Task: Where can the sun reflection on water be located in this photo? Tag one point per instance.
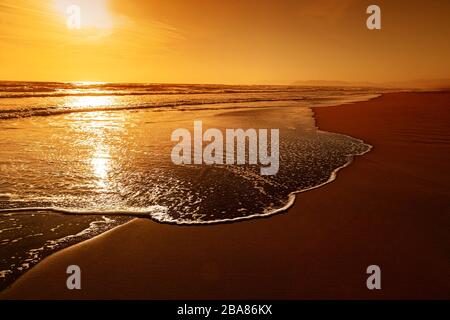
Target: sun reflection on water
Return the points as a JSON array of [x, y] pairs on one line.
[[100, 163], [90, 101], [98, 137]]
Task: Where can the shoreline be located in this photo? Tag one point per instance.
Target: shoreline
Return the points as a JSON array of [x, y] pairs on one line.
[[27, 286], [11, 274], [138, 214]]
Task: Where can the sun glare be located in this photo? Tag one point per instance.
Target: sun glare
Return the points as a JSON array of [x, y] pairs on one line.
[[90, 101], [87, 83], [93, 13]]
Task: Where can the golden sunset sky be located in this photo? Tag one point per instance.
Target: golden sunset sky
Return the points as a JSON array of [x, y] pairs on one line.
[[233, 41]]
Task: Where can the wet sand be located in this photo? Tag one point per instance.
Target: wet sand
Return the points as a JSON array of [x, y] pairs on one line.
[[390, 207]]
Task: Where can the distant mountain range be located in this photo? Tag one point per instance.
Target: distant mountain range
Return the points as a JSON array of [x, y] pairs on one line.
[[415, 84]]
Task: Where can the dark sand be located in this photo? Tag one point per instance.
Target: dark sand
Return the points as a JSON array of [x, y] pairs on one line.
[[391, 207]]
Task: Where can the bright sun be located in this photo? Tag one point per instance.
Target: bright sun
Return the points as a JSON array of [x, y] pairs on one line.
[[93, 13]]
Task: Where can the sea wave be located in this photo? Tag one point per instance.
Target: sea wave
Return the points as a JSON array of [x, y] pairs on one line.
[[51, 111], [160, 213]]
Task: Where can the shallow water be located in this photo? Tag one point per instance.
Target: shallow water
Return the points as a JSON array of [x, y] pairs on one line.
[[101, 168]]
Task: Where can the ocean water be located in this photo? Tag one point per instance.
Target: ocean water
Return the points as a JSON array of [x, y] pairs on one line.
[[78, 159]]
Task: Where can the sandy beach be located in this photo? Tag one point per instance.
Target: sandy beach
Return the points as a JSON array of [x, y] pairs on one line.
[[390, 207]]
